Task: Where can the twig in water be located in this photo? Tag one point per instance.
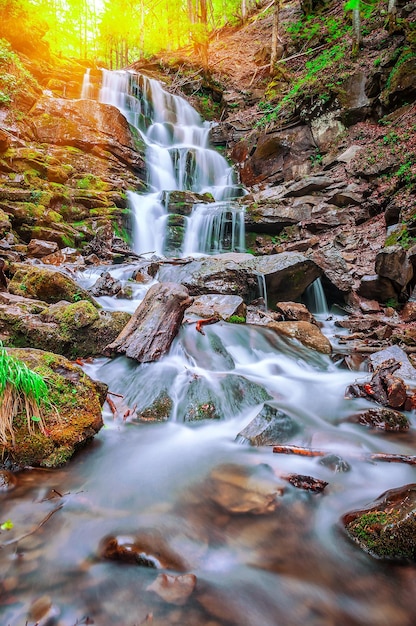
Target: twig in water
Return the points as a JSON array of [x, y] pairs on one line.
[[33, 530]]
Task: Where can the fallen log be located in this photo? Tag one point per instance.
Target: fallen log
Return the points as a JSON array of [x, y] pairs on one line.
[[375, 456], [154, 325]]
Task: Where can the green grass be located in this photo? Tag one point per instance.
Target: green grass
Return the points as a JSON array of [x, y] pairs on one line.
[[21, 391]]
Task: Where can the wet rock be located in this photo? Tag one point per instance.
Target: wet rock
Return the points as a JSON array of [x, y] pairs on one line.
[[38, 248], [147, 548], [47, 285], [239, 489], [270, 427], [392, 263], [158, 411], [72, 416], [65, 255], [271, 216], [228, 308], [174, 589], [154, 325], [106, 285], [307, 483], [295, 311], [383, 419], [406, 369], [182, 202], [308, 334], [211, 399], [387, 530], [335, 463], [8, 481]]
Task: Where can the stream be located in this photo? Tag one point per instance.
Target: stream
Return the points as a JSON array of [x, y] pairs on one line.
[[191, 495]]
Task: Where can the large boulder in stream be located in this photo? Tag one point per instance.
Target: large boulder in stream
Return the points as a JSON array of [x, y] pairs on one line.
[[71, 415], [285, 275], [154, 325]]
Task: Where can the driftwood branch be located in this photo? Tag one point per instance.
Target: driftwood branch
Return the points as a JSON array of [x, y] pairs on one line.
[[34, 529]]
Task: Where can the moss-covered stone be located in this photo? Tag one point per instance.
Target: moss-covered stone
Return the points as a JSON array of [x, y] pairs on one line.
[[47, 285], [72, 413], [388, 529]]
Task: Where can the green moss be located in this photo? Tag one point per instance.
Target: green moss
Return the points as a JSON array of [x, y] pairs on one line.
[[385, 534], [237, 319]]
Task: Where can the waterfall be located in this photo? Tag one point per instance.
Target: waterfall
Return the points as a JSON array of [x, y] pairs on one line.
[[262, 289], [315, 298], [86, 90], [178, 157]]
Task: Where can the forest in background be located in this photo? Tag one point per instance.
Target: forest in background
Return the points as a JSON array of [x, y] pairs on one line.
[[116, 32]]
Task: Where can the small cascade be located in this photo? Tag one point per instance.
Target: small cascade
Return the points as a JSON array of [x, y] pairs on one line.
[[178, 157], [215, 228], [87, 87], [315, 298], [262, 289]]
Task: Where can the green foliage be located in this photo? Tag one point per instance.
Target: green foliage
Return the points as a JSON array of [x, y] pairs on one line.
[[21, 391], [14, 78]]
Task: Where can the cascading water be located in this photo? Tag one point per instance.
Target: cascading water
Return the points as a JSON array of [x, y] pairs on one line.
[[178, 157], [212, 532]]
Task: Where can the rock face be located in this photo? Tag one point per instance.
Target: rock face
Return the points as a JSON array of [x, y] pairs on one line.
[[71, 419], [154, 325], [228, 308], [270, 427], [387, 530], [85, 124], [286, 275]]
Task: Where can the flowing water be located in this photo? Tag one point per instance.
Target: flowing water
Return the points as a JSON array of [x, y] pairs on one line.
[[196, 497]]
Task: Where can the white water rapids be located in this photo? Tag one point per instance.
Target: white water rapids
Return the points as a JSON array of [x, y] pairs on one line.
[[181, 482]]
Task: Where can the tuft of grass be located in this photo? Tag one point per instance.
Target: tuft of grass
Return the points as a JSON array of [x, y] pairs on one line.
[[22, 391]]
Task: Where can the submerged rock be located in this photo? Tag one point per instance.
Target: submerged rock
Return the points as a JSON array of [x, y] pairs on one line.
[[270, 427], [387, 530], [71, 417], [173, 589], [239, 489]]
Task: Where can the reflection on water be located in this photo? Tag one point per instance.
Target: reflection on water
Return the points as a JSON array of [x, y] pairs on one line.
[[264, 553]]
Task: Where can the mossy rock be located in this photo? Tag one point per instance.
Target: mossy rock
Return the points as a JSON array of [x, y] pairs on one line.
[[388, 529], [46, 285], [72, 416]]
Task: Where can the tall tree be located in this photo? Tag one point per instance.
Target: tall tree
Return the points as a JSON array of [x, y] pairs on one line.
[[275, 35], [354, 6]]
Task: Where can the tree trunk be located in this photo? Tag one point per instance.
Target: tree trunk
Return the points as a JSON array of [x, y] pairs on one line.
[[392, 12], [154, 325], [275, 36], [356, 30]]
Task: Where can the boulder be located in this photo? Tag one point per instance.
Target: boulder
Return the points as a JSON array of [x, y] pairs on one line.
[[154, 325], [392, 262], [406, 369], [72, 415], [378, 288], [106, 285], [48, 285], [308, 334], [217, 305], [334, 267], [295, 312], [285, 275], [272, 216], [383, 418], [387, 530], [275, 156], [182, 202], [270, 427], [38, 248], [74, 330]]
